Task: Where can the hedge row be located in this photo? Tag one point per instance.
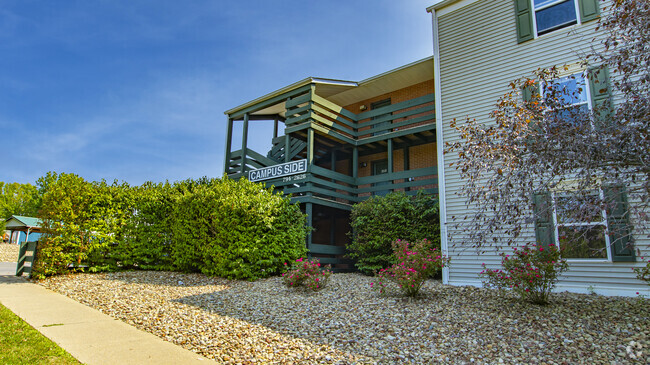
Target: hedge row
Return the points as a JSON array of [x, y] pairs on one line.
[[233, 229]]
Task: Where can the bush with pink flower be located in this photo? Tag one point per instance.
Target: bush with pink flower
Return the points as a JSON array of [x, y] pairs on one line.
[[643, 273], [307, 274], [530, 271], [416, 262]]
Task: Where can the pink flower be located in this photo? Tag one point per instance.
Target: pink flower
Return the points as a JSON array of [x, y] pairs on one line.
[[299, 260]]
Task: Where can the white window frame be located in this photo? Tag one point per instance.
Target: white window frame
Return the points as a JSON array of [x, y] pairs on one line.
[[603, 222], [583, 75], [534, 11]]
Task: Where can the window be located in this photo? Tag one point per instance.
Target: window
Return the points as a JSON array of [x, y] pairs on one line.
[[580, 225], [591, 226], [553, 14], [572, 96], [537, 17]]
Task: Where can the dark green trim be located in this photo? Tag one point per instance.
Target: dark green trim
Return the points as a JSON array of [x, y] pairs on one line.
[[326, 249], [228, 155], [270, 102], [621, 246], [524, 20], [310, 222], [244, 144], [589, 10], [601, 97], [543, 210]]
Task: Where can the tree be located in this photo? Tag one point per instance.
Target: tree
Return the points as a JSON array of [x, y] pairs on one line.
[[17, 199], [543, 141]]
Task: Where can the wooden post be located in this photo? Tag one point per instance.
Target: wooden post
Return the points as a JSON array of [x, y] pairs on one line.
[[407, 162], [310, 146], [309, 209], [333, 163], [226, 167], [310, 159], [275, 127], [355, 162], [287, 147], [390, 160], [390, 155], [244, 144]]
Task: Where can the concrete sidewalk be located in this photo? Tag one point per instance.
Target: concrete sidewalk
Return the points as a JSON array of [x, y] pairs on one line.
[[88, 335]]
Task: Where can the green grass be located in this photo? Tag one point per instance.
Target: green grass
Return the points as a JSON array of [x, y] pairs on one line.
[[20, 343]]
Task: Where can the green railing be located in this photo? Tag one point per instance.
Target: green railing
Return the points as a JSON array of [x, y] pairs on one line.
[[312, 111]]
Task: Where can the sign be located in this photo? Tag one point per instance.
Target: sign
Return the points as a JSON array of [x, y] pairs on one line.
[[283, 169]]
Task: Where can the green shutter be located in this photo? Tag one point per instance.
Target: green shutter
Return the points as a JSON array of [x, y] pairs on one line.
[[589, 10], [527, 92], [544, 227], [524, 20], [600, 96], [618, 224]]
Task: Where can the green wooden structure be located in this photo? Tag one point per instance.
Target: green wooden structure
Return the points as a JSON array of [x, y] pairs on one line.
[[27, 250], [334, 140], [26, 255]]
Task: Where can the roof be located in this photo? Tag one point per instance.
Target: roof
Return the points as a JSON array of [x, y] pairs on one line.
[[439, 4], [343, 92], [21, 221]]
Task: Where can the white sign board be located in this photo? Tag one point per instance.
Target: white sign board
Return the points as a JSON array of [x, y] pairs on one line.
[[275, 171]]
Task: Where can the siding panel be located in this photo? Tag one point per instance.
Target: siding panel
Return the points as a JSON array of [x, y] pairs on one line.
[[479, 56]]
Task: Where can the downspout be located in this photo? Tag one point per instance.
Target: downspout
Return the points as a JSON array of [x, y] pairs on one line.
[[444, 243]]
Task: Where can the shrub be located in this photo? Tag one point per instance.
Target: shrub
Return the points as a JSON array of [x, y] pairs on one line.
[[416, 263], [530, 271], [643, 273], [233, 229], [236, 230], [379, 221], [78, 219], [146, 239], [307, 274]]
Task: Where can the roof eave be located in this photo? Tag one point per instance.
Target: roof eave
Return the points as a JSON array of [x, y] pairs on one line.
[[440, 4], [295, 85]]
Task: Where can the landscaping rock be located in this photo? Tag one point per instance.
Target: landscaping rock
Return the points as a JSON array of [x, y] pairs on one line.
[[236, 322], [8, 252]]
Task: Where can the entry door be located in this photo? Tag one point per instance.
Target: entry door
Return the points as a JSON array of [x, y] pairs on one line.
[[378, 168]]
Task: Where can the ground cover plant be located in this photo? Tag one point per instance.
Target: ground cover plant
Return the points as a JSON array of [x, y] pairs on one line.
[[531, 272], [380, 220], [307, 274], [22, 344], [416, 262]]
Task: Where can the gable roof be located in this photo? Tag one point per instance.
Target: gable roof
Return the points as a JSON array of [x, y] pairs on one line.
[[18, 221]]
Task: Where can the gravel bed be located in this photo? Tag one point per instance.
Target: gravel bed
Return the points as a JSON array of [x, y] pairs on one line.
[[8, 252], [235, 322]]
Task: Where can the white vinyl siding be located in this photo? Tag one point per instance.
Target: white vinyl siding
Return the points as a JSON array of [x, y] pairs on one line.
[[479, 57]]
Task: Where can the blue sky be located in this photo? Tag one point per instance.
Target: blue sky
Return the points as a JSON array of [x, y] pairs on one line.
[[136, 90]]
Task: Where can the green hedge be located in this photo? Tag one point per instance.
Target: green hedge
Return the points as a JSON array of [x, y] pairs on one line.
[[380, 220], [233, 229]]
